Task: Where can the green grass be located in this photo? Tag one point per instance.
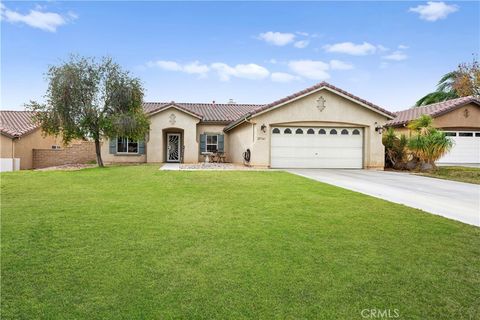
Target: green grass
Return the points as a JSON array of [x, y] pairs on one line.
[[462, 174], [138, 243]]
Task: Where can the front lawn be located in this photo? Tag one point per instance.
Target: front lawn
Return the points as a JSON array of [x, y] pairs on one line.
[[462, 174], [138, 243]]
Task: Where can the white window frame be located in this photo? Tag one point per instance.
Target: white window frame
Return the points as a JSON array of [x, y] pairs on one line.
[[211, 144], [128, 140]]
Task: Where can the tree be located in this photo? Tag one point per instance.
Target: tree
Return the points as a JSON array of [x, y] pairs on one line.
[[427, 144], [87, 99], [395, 148], [463, 82]]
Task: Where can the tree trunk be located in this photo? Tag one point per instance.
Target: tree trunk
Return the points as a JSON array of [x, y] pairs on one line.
[[99, 153]]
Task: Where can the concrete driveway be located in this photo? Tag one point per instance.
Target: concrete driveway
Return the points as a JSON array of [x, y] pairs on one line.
[[454, 200]]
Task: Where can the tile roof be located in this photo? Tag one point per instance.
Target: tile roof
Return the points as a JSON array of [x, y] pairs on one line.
[[17, 123], [208, 112], [433, 110], [306, 91]]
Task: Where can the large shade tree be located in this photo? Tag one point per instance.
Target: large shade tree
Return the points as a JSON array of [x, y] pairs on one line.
[[463, 82], [91, 99]]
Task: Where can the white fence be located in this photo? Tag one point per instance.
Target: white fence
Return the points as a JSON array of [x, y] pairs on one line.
[[9, 164]]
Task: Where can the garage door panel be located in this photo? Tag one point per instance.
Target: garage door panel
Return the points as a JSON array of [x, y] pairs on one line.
[[466, 149], [317, 150]]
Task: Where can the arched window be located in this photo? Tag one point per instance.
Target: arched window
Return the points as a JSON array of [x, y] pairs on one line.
[[333, 131], [276, 131], [321, 131], [356, 132], [287, 131], [299, 131], [345, 131], [310, 131]]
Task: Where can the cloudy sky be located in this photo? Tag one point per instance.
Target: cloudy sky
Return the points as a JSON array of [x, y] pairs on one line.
[[390, 53]]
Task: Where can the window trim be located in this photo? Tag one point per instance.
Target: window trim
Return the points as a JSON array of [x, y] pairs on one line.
[[211, 144], [127, 152]]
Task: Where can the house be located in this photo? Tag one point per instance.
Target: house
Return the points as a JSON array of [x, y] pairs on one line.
[[24, 146], [320, 127], [459, 118], [19, 135]]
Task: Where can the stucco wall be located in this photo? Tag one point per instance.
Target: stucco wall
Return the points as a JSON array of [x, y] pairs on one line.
[[339, 111], [5, 147], [23, 147], [212, 128], [181, 121], [467, 117]]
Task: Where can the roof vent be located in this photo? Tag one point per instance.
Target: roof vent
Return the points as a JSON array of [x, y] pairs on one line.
[[231, 101]]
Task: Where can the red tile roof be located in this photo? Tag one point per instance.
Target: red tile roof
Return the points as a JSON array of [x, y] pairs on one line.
[[433, 110], [208, 112], [17, 123], [306, 91]]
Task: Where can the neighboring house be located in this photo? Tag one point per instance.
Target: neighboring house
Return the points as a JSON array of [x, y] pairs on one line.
[[319, 127], [19, 135], [23, 145], [459, 118]]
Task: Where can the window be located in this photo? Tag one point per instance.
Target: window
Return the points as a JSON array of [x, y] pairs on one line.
[[310, 131], [477, 134], [356, 132], [276, 131], [333, 131], [126, 145], [212, 143], [450, 134], [299, 131], [465, 134], [287, 131], [345, 131], [321, 131]]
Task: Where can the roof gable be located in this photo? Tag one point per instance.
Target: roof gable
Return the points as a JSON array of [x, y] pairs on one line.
[[433, 110], [306, 92], [208, 112]]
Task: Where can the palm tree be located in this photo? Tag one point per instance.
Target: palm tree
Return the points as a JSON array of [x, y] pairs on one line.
[[445, 90], [428, 144]]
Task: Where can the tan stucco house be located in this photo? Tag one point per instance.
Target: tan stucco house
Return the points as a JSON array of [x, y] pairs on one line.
[[24, 146], [458, 118], [19, 136], [320, 127]]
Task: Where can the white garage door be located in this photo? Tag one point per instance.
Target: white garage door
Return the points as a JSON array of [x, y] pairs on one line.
[[316, 147], [466, 147]]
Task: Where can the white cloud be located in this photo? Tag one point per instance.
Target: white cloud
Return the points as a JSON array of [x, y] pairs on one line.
[[247, 71], [166, 65], [283, 77], [47, 21], [340, 65], [315, 70], [396, 56], [301, 44], [273, 61], [434, 11], [277, 38], [194, 67], [352, 48], [402, 47]]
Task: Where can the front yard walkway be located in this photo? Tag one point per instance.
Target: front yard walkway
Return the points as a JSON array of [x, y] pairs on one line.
[[454, 200]]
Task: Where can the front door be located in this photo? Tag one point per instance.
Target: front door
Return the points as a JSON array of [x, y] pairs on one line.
[[173, 147]]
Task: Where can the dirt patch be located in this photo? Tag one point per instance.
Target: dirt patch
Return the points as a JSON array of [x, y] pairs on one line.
[[68, 167]]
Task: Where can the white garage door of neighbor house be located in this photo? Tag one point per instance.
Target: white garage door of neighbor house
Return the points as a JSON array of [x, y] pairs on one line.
[[316, 147], [466, 147]]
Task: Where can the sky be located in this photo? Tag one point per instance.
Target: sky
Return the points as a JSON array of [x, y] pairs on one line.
[[389, 53]]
